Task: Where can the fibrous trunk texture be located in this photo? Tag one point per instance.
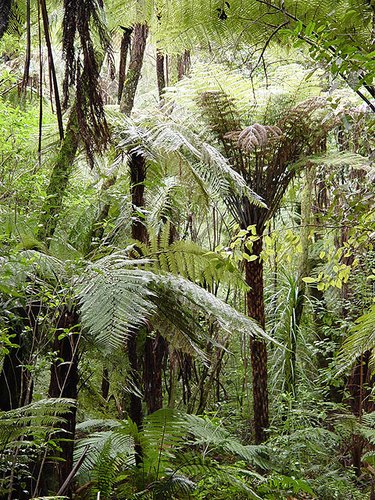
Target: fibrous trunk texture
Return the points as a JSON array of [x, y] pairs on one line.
[[183, 64], [137, 169], [125, 48], [160, 72], [133, 74], [255, 309], [59, 180]]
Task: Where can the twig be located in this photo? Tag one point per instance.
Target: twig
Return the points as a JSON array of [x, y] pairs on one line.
[[73, 471]]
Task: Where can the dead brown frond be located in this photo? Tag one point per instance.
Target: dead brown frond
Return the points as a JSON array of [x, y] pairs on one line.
[[81, 17], [267, 156], [220, 111], [255, 136]]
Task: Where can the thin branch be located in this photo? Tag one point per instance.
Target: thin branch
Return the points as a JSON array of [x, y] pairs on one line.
[[52, 67]]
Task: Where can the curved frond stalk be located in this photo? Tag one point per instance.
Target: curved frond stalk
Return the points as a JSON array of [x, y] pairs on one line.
[[196, 298]]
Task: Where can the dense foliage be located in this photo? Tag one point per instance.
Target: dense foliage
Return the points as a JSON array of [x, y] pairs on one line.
[[187, 259]]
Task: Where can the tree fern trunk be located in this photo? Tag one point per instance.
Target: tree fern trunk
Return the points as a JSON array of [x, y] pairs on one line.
[[134, 70], [125, 47], [59, 180], [5, 8], [255, 309], [183, 64], [160, 72], [64, 384], [155, 354]]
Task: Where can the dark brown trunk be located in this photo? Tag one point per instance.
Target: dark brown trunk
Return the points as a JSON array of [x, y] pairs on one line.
[[16, 383], [137, 170], [105, 384], [125, 47], [5, 8], [183, 64], [133, 74], [64, 384], [160, 72], [15, 380], [255, 309], [155, 354], [359, 387]]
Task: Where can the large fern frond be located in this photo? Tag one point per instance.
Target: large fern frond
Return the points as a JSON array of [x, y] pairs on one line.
[[195, 298], [20, 427], [362, 339], [116, 296], [206, 163], [113, 299]]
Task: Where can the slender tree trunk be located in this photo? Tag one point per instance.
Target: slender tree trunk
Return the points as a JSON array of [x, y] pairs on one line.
[[160, 72], [359, 387], [59, 180], [137, 168], [105, 384], [125, 48], [155, 353], [133, 74], [64, 376], [255, 309], [16, 382], [183, 64], [64, 384]]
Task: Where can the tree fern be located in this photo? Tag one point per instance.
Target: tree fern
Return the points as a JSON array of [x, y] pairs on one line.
[[116, 296], [206, 163]]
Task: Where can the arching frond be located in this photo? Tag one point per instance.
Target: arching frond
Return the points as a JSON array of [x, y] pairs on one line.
[[114, 298], [362, 339], [216, 437], [195, 298], [204, 160], [20, 427]]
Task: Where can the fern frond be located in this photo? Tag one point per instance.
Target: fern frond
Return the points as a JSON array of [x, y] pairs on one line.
[[191, 261], [205, 161], [255, 136], [114, 298], [362, 339], [196, 298], [118, 441], [217, 437], [20, 427]]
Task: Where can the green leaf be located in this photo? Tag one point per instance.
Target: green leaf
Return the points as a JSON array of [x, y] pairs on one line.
[[308, 279]]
